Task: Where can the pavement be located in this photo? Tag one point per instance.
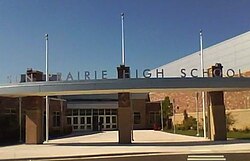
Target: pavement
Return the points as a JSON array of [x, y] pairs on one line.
[[105, 144]]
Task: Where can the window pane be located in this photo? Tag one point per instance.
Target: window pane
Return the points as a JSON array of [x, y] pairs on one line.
[[75, 112], [101, 119], [82, 112], [107, 120], [101, 111], [113, 119], [58, 120], [88, 120], [95, 111], [89, 127], [54, 121], [82, 120], [107, 111], [114, 112], [88, 112], [69, 120], [158, 118], [151, 118], [75, 120], [10, 111], [137, 118]]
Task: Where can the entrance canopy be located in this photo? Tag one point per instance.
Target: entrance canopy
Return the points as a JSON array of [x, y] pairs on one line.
[[109, 86]]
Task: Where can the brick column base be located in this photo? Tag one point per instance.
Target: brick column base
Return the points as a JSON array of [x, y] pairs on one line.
[[34, 126], [33, 131], [217, 115], [124, 118]]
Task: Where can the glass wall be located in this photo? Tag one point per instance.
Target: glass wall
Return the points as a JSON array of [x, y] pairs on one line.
[[83, 119]]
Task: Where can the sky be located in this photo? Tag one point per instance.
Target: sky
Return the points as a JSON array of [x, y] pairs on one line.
[[85, 35]]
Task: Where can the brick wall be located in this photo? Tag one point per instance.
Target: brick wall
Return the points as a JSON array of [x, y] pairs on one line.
[[150, 107], [29, 103], [139, 105], [183, 100], [186, 99], [238, 102]]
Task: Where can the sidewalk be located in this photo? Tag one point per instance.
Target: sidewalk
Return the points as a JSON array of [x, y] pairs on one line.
[[105, 144]]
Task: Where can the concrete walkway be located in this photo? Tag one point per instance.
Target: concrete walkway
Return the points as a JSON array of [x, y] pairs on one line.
[[105, 143], [139, 136]]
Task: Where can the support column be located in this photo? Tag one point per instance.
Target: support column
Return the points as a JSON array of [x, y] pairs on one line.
[[33, 106], [217, 114], [20, 119], [124, 118], [124, 109]]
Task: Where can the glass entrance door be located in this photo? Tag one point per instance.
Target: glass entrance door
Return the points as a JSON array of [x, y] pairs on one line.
[[82, 123], [108, 122], [89, 119]]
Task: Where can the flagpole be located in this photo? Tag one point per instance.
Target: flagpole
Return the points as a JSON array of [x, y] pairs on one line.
[[161, 118], [203, 93], [123, 39], [47, 79]]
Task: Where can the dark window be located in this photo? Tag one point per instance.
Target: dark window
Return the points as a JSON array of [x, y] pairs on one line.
[[151, 118], [82, 112], [88, 120], [75, 120], [137, 118], [95, 111], [113, 119], [69, 120], [101, 119], [154, 117], [114, 112], [10, 111], [101, 111], [89, 127], [88, 112], [107, 111], [56, 119], [82, 120], [108, 119], [75, 112]]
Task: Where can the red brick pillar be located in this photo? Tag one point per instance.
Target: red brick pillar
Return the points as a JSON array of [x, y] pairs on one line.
[[33, 131], [216, 112], [124, 109]]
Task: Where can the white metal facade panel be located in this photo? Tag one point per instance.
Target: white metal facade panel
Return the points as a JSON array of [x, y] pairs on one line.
[[233, 54]]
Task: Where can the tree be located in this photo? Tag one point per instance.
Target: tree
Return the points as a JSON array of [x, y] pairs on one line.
[[189, 122], [167, 110]]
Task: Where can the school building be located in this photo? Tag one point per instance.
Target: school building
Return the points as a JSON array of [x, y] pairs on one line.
[[91, 112]]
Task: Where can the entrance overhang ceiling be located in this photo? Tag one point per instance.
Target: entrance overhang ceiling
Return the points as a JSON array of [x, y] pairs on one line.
[[110, 86]]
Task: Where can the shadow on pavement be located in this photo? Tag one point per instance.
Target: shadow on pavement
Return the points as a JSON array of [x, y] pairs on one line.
[[7, 143], [148, 156], [191, 143], [75, 134]]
